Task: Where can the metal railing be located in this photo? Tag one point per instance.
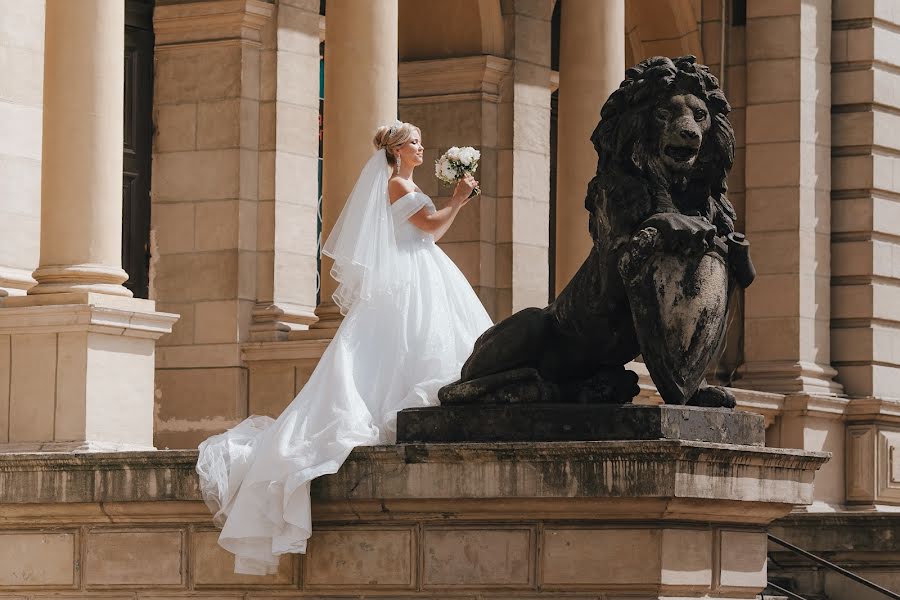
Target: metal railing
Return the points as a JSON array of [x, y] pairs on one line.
[[828, 565]]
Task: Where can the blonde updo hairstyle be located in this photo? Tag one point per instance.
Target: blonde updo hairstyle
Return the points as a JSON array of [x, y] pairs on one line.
[[392, 137]]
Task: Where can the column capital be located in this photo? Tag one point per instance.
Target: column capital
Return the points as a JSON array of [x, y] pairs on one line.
[[217, 20]]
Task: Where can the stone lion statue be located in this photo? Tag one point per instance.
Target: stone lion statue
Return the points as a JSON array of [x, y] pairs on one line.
[[664, 261]]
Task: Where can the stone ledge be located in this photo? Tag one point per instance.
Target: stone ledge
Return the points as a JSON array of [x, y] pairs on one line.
[[668, 478], [663, 518]]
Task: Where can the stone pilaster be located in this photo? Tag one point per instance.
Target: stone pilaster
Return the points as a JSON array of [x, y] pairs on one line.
[[206, 210], [866, 198], [288, 171], [788, 181], [455, 102], [523, 159], [866, 243]]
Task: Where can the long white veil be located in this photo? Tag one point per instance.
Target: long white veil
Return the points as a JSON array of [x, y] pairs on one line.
[[362, 242]]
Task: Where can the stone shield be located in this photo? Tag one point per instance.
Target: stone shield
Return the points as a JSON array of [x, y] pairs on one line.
[[679, 303]]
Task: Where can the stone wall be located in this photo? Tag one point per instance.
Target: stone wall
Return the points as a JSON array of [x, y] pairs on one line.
[[21, 98]]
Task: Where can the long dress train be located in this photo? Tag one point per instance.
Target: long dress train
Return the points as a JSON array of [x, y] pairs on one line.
[[391, 352]]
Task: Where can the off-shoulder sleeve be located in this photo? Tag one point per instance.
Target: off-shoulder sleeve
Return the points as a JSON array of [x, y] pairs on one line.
[[408, 205]]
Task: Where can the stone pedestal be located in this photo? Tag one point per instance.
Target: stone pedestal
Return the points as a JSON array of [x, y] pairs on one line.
[[578, 422], [647, 519], [80, 372]]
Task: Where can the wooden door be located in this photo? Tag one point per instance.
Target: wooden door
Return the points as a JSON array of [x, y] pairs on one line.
[[138, 123]]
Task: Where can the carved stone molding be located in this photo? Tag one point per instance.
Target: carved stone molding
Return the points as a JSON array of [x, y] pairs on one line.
[[873, 452], [206, 22], [468, 78]]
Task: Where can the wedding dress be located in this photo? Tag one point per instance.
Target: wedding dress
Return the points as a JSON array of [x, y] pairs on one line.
[[411, 321]]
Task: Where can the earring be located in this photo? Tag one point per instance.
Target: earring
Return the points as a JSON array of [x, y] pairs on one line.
[[398, 161]]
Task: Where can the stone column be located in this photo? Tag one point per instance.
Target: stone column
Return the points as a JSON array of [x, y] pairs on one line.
[[77, 353], [591, 66], [360, 95], [81, 175], [21, 99]]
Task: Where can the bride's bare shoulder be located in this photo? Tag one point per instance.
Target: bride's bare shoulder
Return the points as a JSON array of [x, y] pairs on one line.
[[399, 187]]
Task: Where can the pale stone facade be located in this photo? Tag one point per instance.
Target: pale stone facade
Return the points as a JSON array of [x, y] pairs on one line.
[[814, 344]]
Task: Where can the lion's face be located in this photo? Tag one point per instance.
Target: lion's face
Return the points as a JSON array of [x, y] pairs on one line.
[[683, 121]]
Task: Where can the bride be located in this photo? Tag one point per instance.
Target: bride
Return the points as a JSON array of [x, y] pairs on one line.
[[410, 322]]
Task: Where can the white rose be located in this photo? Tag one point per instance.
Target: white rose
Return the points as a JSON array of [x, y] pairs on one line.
[[453, 153], [448, 172]]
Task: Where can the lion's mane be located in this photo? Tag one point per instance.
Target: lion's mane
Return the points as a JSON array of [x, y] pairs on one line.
[[621, 195]]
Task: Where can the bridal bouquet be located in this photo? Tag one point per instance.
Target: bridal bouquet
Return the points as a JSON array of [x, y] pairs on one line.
[[455, 164]]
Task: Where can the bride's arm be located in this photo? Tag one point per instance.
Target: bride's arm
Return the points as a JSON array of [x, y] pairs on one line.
[[438, 222]]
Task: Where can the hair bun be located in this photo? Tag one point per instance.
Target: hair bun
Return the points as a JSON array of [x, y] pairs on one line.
[[382, 134]]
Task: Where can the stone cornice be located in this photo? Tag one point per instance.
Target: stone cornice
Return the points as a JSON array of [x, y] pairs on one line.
[[671, 479], [285, 351], [467, 78], [204, 22], [92, 313], [870, 410], [828, 407], [767, 404]]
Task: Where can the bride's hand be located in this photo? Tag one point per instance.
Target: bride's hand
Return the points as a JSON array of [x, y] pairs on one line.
[[464, 187]]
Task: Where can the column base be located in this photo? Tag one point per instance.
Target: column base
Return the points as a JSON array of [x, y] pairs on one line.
[[789, 377], [329, 317], [77, 372], [273, 322], [83, 278]]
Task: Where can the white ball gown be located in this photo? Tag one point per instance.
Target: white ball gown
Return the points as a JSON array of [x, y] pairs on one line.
[[391, 352]]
